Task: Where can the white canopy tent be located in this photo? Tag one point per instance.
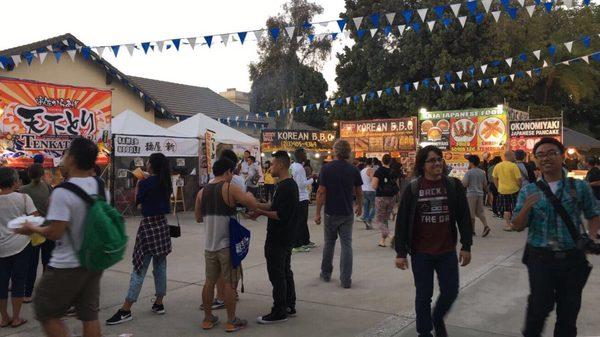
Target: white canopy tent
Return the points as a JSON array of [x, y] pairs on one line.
[[130, 123], [197, 125]]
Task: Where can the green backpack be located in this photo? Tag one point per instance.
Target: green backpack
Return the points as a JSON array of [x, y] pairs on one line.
[[104, 238]]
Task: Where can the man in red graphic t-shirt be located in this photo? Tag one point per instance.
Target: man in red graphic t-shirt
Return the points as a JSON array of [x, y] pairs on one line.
[[432, 212]]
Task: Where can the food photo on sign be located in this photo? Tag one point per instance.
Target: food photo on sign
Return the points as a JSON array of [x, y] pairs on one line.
[[525, 133], [379, 136]]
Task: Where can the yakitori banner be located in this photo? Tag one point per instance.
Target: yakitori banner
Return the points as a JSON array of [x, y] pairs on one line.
[[380, 135], [525, 133], [42, 118], [137, 146], [274, 140], [464, 130]]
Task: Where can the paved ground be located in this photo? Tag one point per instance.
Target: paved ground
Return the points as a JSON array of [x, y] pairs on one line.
[[380, 303]]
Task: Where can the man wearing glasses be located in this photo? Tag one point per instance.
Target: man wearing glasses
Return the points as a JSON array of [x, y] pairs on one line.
[[432, 212], [557, 266]]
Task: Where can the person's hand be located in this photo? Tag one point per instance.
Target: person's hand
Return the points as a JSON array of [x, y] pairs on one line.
[[402, 263], [358, 210], [531, 200], [26, 229], [254, 214], [318, 219], [594, 227], [464, 258]]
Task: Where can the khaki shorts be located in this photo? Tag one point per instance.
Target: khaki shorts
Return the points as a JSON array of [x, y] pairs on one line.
[[218, 264], [60, 289], [475, 206]]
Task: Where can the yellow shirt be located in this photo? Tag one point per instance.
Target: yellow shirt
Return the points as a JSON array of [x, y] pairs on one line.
[[509, 177], [269, 180]]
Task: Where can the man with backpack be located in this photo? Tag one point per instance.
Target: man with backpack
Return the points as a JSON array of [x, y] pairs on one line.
[[82, 227], [385, 184]]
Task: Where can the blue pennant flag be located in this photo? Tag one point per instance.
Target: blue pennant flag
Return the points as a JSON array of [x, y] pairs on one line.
[[586, 41], [537, 71], [387, 30], [447, 22], [325, 103], [28, 57], [85, 52], [360, 33], [407, 87], [502, 78], [486, 81], [495, 63], [208, 40], [168, 47], [311, 37], [375, 20], [407, 15], [389, 91], [448, 76], [552, 50], [416, 26], [274, 33], [505, 4], [342, 23], [340, 101], [586, 2], [520, 74], [472, 7], [439, 11], [356, 99], [372, 94], [538, 2], [523, 57], [298, 109], [426, 83], [242, 36], [479, 18], [176, 43], [548, 6], [472, 71], [334, 36], [145, 47], [306, 25], [115, 49], [512, 11], [57, 55], [595, 56]]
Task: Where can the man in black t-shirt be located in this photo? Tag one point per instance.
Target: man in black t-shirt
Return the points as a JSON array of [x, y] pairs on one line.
[[281, 229], [593, 175]]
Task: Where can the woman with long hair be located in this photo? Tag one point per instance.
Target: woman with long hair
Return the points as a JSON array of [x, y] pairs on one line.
[[153, 241]]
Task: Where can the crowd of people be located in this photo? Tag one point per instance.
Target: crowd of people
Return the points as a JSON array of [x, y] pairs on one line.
[[434, 217]]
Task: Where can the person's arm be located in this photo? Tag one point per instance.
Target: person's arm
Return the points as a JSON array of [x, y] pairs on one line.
[[140, 192], [401, 230], [375, 182], [321, 193], [595, 183], [370, 172], [30, 206], [463, 217], [525, 203], [52, 230], [465, 180], [198, 207], [495, 175], [359, 200], [239, 197], [299, 175]]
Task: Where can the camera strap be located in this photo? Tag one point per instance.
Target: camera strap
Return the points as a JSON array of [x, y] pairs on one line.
[[560, 209]]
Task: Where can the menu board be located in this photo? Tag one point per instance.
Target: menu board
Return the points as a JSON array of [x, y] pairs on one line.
[[464, 130], [274, 140], [380, 135], [525, 133]]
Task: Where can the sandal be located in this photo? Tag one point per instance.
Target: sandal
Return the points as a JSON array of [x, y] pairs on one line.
[[485, 233], [23, 321], [236, 324], [6, 325], [211, 323]]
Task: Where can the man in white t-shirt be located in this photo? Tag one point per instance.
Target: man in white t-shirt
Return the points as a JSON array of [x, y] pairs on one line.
[[66, 284], [302, 242], [245, 166]]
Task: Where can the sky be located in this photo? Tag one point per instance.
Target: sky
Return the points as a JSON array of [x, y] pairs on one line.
[[109, 22]]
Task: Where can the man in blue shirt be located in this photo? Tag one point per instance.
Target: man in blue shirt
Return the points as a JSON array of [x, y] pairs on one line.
[[558, 270]]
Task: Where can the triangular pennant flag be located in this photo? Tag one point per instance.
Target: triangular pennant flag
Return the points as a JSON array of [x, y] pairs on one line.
[[318, 106], [389, 91], [303, 109], [373, 31], [586, 40], [522, 2], [332, 102], [430, 24], [545, 64], [324, 24], [115, 49], [290, 31], [145, 47], [494, 80], [300, 37], [496, 15], [176, 43], [452, 85], [479, 18], [483, 68], [568, 3], [505, 3], [512, 11], [416, 27], [407, 15], [486, 5], [422, 13], [192, 41], [586, 2], [258, 34], [42, 57], [537, 54], [459, 73], [341, 23], [363, 96], [528, 73], [569, 45], [523, 57], [387, 30], [390, 18], [397, 88], [447, 22], [586, 59], [16, 59], [379, 93], [512, 77], [439, 11], [509, 61], [29, 57], [348, 100], [401, 29], [416, 84], [479, 82], [130, 47], [357, 21], [100, 51], [160, 44], [360, 33], [463, 20], [71, 54], [548, 6], [552, 50], [472, 7], [225, 39], [530, 10], [274, 33], [207, 38], [346, 34], [437, 79], [57, 55], [375, 20], [455, 8]]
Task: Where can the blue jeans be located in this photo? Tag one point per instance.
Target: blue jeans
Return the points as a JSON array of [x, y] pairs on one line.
[[334, 226], [368, 205], [446, 267], [159, 270]]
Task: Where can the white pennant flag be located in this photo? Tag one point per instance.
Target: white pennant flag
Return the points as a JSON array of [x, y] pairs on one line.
[[390, 18], [512, 77], [431, 24], [16, 59], [440, 86], [397, 89], [130, 47], [479, 82], [455, 8], [299, 37], [463, 20], [357, 21], [569, 45], [422, 13], [290, 31], [379, 93], [401, 29], [347, 100], [192, 42], [494, 79], [141, 94], [509, 61], [416, 84], [568, 3], [332, 102], [459, 73], [100, 51], [225, 39], [586, 59], [522, 2], [483, 68], [486, 5], [258, 34], [42, 56], [452, 85], [324, 24], [347, 34], [566, 63], [160, 45], [72, 54], [530, 10], [545, 64], [529, 73], [363, 96], [318, 105], [373, 31], [496, 15], [537, 54], [437, 79], [303, 108]]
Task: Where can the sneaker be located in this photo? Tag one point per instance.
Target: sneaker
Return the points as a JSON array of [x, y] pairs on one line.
[[310, 245], [216, 304], [158, 309], [235, 325], [302, 249], [325, 278], [121, 316], [272, 318], [291, 312], [368, 225], [440, 329], [347, 285], [210, 323]]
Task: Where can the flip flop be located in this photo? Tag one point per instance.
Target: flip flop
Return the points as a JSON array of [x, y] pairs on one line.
[[380, 245], [23, 321], [6, 325], [485, 233]]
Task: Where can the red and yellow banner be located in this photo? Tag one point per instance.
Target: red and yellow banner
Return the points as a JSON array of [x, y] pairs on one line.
[[43, 118]]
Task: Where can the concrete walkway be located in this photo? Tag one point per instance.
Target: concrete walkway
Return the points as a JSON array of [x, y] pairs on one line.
[[492, 300]]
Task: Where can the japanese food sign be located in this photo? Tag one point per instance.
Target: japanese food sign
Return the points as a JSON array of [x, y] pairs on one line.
[[43, 118], [274, 140], [525, 133], [380, 135]]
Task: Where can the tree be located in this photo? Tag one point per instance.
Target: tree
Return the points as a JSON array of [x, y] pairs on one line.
[[287, 73]]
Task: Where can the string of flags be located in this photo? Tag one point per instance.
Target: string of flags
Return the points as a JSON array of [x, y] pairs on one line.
[[395, 23], [408, 87]]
